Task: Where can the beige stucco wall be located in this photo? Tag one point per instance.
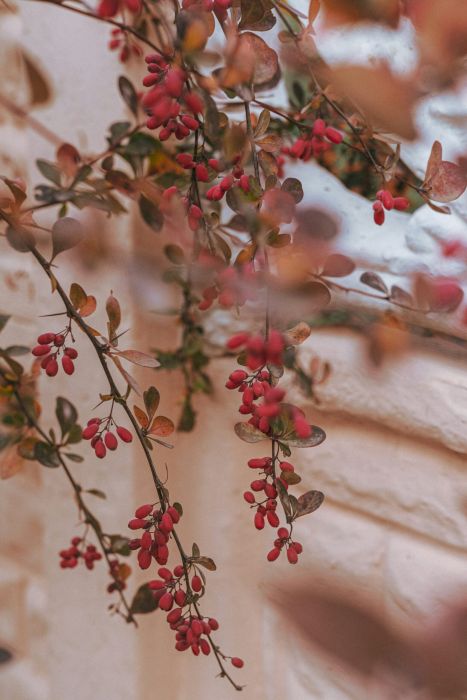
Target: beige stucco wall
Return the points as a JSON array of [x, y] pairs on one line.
[[393, 470]]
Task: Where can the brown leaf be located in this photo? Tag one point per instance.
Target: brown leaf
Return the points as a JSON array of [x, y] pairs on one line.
[[337, 265], [141, 417], [448, 183], [161, 426], [298, 334], [248, 433], [114, 314], [384, 99], [345, 11], [373, 280], [266, 70]]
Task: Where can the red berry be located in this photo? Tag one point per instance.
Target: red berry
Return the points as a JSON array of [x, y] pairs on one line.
[[52, 367], [238, 663], [196, 583], [401, 203], [259, 521], [174, 514], [387, 200], [333, 135], [166, 601], [110, 441], [67, 364], [273, 518], [144, 558], [40, 350], [237, 340], [273, 554], [71, 353], [166, 523], [146, 540], [292, 555], [205, 648], [90, 431], [180, 597], [46, 338], [59, 340], [124, 434], [99, 449], [137, 523], [249, 497]]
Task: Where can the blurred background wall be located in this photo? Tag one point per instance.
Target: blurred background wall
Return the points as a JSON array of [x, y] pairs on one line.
[[393, 468]]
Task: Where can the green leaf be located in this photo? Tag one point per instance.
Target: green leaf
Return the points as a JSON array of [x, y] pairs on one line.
[[151, 399], [97, 492], [119, 545], [3, 321], [143, 601], [66, 413], [46, 454], [151, 213], [187, 419], [178, 507], [141, 144], [49, 171], [66, 234], [74, 457], [128, 92]]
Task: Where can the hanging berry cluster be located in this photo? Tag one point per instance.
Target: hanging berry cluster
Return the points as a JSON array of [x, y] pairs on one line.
[[284, 424], [385, 200], [166, 97], [50, 347], [157, 526], [79, 551], [98, 431]]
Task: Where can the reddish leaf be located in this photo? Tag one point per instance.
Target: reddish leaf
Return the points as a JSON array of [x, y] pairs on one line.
[[337, 265], [161, 426]]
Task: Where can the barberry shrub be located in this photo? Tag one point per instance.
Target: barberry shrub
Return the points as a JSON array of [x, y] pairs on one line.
[[207, 159]]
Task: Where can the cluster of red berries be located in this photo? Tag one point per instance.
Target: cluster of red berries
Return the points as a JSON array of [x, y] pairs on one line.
[[69, 557], [191, 631], [49, 347], [385, 200], [259, 353], [157, 526], [266, 509], [292, 548], [102, 438], [315, 143], [237, 177], [109, 8], [164, 100], [219, 7], [120, 41]]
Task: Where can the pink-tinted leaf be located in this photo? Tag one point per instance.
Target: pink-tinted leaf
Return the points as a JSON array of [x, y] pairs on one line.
[[139, 358], [337, 265]]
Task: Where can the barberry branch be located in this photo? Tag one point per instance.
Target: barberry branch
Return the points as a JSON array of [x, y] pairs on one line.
[[89, 517], [101, 351]]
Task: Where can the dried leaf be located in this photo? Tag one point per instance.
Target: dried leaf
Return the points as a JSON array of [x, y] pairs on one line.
[[161, 426], [139, 358], [114, 315], [298, 334]]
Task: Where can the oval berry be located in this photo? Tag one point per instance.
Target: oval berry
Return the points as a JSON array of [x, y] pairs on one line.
[[124, 434]]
